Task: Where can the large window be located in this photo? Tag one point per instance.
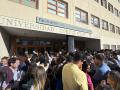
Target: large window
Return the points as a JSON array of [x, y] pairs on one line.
[[119, 13], [119, 1], [97, 1], [113, 47], [106, 46], [95, 21], [110, 7], [104, 3], [104, 25], [58, 7], [116, 12], [81, 16], [30, 3], [117, 30], [112, 28], [118, 47]]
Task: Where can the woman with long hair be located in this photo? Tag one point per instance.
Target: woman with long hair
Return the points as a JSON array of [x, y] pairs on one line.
[[85, 69], [114, 80], [40, 78]]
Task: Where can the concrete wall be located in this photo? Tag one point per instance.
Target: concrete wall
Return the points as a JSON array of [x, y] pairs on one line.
[[16, 10], [109, 38], [4, 43]]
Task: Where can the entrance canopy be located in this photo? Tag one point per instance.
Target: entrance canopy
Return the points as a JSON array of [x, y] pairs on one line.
[[57, 41], [32, 33]]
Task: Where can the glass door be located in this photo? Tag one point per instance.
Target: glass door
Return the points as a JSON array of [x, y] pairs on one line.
[[22, 50]]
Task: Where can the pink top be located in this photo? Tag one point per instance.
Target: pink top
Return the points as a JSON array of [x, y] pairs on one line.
[[90, 84]]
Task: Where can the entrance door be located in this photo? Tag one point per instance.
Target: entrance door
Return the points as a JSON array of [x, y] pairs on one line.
[[45, 48], [21, 45], [20, 50]]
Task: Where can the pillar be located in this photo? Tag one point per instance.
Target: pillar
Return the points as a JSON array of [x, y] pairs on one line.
[[4, 43], [70, 43]]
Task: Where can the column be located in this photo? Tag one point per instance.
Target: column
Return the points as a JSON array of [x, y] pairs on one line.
[[70, 43], [4, 44]]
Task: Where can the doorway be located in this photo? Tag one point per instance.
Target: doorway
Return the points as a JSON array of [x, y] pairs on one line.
[[20, 50]]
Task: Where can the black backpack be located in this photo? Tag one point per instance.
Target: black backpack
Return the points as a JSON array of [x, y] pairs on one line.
[[3, 77]]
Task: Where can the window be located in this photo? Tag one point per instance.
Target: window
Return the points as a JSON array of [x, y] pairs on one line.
[[118, 47], [119, 13], [95, 21], [97, 1], [81, 16], [117, 29], [116, 12], [104, 25], [112, 28], [106, 46], [30, 3], [110, 7], [119, 1], [104, 3], [58, 7], [113, 47]]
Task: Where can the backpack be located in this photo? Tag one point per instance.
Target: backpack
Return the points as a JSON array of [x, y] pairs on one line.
[[3, 77]]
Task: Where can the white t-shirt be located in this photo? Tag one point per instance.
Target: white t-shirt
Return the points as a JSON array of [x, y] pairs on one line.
[[17, 75]]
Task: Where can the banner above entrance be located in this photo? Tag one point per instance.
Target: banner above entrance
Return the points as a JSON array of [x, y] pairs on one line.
[[45, 25], [61, 25]]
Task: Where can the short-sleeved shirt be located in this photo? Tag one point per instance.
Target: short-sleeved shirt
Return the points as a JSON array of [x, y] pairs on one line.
[[101, 73], [73, 78]]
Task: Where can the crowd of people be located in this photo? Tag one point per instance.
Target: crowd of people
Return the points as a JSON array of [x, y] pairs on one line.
[[77, 70]]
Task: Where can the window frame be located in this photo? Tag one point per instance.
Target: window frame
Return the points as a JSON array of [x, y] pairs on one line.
[[119, 1], [57, 11], [117, 29], [97, 1], [116, 12], [104, 3], [112, 27], [113, 46], [110, 6], [103, 27], [93, 23], [81, 11], [118, 47], [106, 45], [22, 3]]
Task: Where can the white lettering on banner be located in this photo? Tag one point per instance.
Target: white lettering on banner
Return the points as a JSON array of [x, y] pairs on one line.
[[9, 22], [13, 22], [1, 20], [24, 24]]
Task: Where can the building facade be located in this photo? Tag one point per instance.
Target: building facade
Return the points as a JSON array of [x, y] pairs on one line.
[[27, 25]]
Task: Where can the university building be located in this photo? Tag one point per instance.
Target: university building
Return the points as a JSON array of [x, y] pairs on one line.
[[27, 25]]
